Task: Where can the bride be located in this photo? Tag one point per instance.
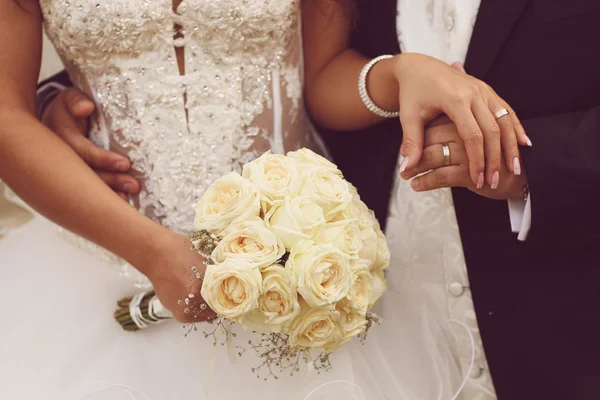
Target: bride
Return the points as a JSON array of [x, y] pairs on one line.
[[188, 91]]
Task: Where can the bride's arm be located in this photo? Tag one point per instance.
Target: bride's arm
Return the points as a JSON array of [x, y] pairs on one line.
[[421, 87], [47, 174], [332, 69]]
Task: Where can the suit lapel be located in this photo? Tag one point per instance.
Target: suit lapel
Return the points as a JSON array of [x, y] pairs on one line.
[[495, 21]]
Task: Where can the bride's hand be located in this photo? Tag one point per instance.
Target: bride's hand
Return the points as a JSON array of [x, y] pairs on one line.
[[429, 88], [68, 116], [173, 280]]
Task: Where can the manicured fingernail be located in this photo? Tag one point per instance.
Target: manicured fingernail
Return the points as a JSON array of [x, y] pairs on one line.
[[495, 180], [529, 142], [122, 165], [480, 180], [516, 166], [128, 187], [415, 184], [404, 164]]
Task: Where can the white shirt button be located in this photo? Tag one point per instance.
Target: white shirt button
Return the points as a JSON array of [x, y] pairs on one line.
[[456, 289], [476, 372]]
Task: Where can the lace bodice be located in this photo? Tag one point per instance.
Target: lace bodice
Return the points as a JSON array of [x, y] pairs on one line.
[[189, 91]]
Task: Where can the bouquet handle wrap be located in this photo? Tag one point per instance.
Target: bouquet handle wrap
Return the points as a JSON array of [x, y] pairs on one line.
[[141, 311]]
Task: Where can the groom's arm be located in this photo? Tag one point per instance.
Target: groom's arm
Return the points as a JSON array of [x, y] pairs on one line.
[[563, 168], [66, 111]]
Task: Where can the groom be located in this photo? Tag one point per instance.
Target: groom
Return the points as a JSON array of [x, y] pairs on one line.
[[536, 301]]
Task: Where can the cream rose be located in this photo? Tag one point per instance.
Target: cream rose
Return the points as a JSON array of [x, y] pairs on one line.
[[368, 252], [250, 242], [231, 289], [349, 324], [275, 175], [314, 327], [382, 260], [356, 210], [309, 159], [345, 235], [322, 272], [379, 286], [326, 189], [278, 302], [360, 295], [230, 198], [295, 219]]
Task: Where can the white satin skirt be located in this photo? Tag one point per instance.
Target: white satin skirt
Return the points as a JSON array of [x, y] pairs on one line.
[[58, 340]]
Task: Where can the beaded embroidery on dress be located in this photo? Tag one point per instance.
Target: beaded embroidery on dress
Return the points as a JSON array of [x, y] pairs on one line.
[[234, 93]]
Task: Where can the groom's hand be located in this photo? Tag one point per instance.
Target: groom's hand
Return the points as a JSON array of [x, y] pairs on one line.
[[68, 116], [434, 175]]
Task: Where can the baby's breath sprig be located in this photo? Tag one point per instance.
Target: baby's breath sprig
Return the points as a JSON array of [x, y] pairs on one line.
[[372, 320], [279, 357]]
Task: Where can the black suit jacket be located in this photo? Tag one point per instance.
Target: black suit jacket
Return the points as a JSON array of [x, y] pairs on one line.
[[537, 302]]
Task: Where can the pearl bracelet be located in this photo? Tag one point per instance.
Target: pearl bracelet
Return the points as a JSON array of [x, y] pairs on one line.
[[364, 94]]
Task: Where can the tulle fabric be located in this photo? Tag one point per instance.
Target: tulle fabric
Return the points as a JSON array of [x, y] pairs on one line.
[[59, 341]]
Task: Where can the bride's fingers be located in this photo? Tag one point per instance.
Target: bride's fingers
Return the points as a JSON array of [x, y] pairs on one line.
[[508, 136], [472, 136], [510, 147], [453, 176], [492, 136], [433, 158], [522, 137]]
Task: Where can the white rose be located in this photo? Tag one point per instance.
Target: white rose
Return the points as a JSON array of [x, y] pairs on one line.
[[357, 210], [350, 324], [308, 158], [379, 286], [360, 295], [314, 327], [230, 198], [275, 175], [250, 242], [327, 189], [368, 252], [278, 302], [322, 273], [345, 235], [295, 219], [231, 289], [382, 260]]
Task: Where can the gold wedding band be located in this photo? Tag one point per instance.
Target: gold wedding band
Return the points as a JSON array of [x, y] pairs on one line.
[[446, 151], [501, 113]]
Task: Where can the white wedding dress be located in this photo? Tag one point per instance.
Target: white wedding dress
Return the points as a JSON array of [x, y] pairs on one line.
[[234, 92]]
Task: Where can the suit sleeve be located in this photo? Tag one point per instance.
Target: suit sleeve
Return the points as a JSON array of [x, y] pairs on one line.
[[49, 89], [563, 169]]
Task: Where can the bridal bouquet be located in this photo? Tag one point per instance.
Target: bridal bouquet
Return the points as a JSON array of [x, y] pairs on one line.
[[292, 252]]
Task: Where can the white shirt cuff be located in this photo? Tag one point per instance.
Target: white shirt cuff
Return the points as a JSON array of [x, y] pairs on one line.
[[520, 217]]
